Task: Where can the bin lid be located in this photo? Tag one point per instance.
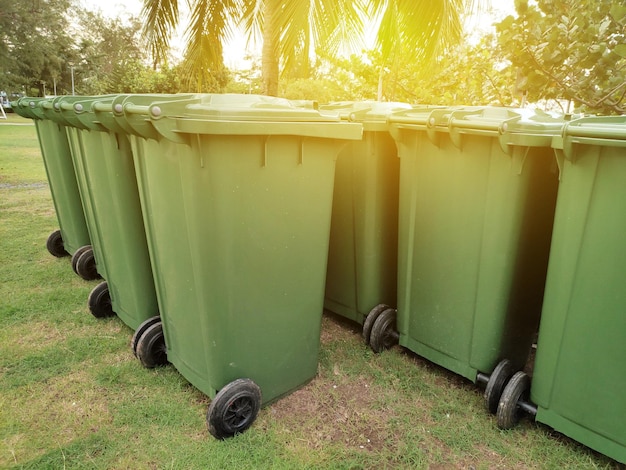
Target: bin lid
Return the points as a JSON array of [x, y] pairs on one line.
[[481, 119], [240, 107], [239, 114], [512, 126]]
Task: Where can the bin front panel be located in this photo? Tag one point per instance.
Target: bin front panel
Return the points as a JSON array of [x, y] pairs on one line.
[[475, 227], [362, 257], [579, 378], [63, 185], [259, 217]]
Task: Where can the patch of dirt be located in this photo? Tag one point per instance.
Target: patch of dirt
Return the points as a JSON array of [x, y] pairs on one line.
[[335, 327], [337, 411]]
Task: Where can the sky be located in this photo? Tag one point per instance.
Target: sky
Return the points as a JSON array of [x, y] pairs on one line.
[[236, 50]]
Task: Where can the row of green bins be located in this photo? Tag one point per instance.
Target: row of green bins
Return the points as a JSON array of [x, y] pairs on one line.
[[236, 193], [579, 380], [73, 233], [105, 172], [84, 259], [362, 255], [477, 197]]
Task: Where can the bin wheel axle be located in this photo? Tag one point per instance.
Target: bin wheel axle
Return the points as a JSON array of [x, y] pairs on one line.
[[86, 265], [151, 349], [55, 245], [77, 254], [141, 329], [370, 319], [99, 301], [514, 401], [234, 408], [384, 335], [496, 383]]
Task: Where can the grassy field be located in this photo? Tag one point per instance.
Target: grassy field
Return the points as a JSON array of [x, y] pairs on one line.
[[72, 395]]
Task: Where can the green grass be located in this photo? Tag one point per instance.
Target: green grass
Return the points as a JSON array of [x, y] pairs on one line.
[[72, 395]]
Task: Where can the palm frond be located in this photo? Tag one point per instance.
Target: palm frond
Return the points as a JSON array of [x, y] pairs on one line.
[[251, 20], [160, 19], [420, 28], [210, 26]]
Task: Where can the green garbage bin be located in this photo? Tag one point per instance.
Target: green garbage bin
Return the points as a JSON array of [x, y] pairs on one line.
[[362, 255], [106, 177], [578, 381], [477, 196], [237, 194], [72, 234]]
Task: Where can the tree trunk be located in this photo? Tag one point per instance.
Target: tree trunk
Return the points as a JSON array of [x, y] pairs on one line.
[[269, 58], [381, 76]]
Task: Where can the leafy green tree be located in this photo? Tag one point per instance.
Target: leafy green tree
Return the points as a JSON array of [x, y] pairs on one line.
[[34, 44], [108, 52], [466, 75], [569, 51]]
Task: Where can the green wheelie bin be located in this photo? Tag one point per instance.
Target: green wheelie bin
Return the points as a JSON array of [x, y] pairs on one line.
[[237, 195], [579, 378], [363, 250], [106, 177], [477, 197], [73, 233]]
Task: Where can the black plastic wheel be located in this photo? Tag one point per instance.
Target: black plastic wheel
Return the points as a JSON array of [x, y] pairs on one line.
[[151, 350], [77, 255], [234, 408], [384, 334], [371, 317], [99, 301], [86, 266], [141, 329], [509, 412], [497, 381], [55, 245]]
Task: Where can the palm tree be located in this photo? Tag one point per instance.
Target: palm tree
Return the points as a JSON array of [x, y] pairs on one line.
[[210, 25], [417, 30], [290, 29]]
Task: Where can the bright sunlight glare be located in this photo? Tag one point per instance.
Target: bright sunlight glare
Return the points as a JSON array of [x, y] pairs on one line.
[[237, 53]]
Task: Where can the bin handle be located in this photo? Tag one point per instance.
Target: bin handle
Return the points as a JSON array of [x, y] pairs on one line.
[[103, 107], [132, 109]]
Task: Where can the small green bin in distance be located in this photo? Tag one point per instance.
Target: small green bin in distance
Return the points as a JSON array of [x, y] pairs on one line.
[[106, 176], [579, 378], [477, 196], [249, 183], [362, 256], [61, 177]]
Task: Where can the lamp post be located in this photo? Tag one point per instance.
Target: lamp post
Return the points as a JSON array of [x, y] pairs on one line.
[[72, 71]]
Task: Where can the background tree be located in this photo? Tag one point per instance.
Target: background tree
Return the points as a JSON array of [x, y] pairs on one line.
[[570, 52], [293, 29], [468, 74], [108, 52], [211, 24], [418, 31], [35, 45]]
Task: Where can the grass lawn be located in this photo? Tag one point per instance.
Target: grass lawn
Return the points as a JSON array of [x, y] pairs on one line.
[[72, 395]]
